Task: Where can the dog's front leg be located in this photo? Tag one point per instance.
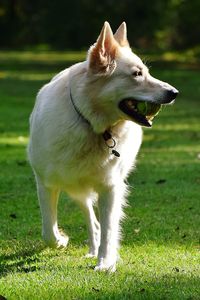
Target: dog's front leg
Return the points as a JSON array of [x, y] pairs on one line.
[[110, 211], [48, 199]]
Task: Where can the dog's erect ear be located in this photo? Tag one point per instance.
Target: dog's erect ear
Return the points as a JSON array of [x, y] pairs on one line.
[[121, 35], [102, 53]]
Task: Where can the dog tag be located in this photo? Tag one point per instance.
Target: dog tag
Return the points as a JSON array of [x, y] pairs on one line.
[[115, 153]]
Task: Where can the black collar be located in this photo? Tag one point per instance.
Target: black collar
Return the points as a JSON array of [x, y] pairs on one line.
[[78, 111], [107, 135]]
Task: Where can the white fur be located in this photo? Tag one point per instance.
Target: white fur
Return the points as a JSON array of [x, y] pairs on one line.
[[69, 155]]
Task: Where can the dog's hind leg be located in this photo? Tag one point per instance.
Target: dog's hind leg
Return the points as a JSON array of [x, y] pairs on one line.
[[86, 204], [48, 199], [94, 231]]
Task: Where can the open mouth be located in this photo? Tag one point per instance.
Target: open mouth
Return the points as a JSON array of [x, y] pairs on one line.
[[141, 112]]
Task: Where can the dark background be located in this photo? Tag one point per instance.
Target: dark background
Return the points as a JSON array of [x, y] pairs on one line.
[[75, 24]]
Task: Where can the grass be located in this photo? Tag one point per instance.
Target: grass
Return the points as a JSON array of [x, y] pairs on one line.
[[160, 257]]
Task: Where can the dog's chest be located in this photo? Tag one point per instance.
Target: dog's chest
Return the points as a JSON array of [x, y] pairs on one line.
[[81, 160], [91, 158], [95, 152]]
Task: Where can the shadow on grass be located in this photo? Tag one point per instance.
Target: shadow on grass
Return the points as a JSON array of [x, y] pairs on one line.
[[25, 260]]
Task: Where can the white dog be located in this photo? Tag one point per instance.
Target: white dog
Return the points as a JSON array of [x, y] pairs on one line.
[[85, 132]]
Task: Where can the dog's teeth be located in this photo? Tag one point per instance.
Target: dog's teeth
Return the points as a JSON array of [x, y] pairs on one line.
[[131, 104]]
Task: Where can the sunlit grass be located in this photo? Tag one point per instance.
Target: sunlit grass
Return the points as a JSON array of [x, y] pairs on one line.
[[25, 76], [153, 268], [41, 56], [17, 140], [160, 254], [178, 127]]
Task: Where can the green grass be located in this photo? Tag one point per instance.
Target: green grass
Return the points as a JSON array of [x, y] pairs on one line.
[[160, 256]]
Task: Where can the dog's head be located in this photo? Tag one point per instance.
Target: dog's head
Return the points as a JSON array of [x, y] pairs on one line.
[[120, 85]]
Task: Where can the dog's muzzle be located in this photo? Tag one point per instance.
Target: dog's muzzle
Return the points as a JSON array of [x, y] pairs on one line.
[[142, 112], [169, 96]]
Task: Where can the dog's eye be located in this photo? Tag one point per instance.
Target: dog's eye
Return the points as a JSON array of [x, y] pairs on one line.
[[137, 73]]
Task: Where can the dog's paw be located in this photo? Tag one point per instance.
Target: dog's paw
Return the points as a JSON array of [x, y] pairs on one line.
[[91, 255], [62, 242], [59, 242], [105, 266], [93, 252]]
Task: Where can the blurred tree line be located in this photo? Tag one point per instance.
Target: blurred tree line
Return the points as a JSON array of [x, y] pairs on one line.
[[75, 24]]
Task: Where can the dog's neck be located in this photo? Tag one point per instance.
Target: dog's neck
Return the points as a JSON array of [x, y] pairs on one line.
[[77, 110], [107, 135]]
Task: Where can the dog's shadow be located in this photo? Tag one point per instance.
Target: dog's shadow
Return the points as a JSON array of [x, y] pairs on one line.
[[27, 259]]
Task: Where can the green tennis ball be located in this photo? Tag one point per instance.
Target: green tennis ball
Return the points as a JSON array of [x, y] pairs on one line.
[[154, 109], [142, 107], [148, 108]]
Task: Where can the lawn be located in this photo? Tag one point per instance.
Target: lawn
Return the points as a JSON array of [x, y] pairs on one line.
[[160, 253]]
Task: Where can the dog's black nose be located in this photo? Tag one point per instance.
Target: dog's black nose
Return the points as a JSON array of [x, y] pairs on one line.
[[170, 95]]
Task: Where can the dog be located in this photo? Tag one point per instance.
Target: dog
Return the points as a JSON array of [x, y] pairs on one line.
[[85, 133]]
